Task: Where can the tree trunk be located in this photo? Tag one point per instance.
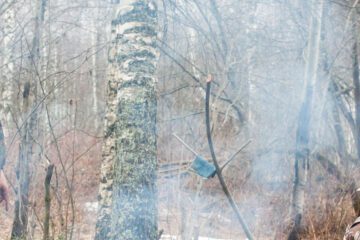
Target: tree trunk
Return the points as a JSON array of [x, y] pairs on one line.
[[356, 83], [355, 192], [95, 39], [128, 208], [49, 173], [303, 129], [19, 230], [7, 69], [6, 76]]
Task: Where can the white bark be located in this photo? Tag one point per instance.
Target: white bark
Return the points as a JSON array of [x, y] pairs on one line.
[[95, 43], [303, 129], [7, 73]]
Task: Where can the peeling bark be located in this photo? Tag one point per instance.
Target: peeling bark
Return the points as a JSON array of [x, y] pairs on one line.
[[127, 196]]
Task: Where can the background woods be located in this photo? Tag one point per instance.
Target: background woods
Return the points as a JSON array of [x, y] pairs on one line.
[[285, 76]]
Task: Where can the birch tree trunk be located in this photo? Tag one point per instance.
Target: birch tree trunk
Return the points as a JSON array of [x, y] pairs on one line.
[[128, 208], [303, 129], [7, 74], [7, 71], [95, 39]]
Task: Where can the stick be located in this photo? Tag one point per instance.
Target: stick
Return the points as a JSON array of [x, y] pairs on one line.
[[218, 170], [187, 146], [49, 173], [160, 234], [234, 155]]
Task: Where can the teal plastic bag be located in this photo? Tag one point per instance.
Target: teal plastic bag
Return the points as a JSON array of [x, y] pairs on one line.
[[203, 168]]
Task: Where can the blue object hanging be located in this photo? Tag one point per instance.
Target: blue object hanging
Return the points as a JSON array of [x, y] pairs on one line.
[[203, 168]]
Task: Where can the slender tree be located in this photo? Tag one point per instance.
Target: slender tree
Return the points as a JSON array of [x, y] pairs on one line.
[[128, 208], [19, 229], [6, 89], [7, 71], [303, 129], [355, 193], [356, 83]]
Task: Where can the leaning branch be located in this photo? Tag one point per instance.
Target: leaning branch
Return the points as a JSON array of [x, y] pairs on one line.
[[218, 169]]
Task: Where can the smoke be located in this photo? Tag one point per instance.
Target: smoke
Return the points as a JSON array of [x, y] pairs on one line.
[[263, 73]]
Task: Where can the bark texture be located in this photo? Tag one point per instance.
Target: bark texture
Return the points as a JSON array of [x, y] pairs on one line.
[[127, 195]]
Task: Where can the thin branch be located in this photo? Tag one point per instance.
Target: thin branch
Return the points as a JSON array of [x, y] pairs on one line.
[[236, 108], [234, 155], [184, 143]]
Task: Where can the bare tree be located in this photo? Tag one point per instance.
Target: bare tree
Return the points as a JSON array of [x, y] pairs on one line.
[[7, 71], [302, 153], [19, 230]]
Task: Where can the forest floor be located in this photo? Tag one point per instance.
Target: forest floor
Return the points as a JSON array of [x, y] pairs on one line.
[[190, 206]]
